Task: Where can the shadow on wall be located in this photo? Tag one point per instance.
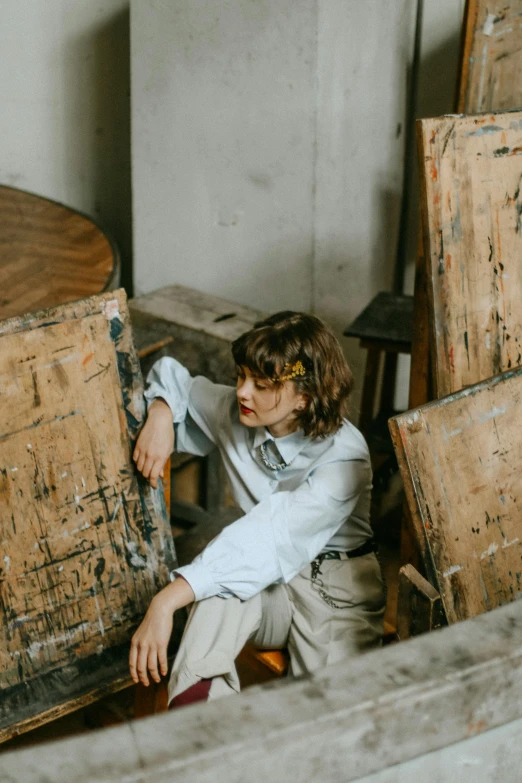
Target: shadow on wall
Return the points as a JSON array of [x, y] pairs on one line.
[[436, 95], [97, 87]]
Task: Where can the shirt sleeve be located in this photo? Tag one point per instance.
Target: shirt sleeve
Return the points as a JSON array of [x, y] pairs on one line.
[[197, 404], [281, 535]]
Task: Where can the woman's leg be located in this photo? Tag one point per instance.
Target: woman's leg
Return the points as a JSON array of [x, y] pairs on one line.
[[217, 630], [322, 634]]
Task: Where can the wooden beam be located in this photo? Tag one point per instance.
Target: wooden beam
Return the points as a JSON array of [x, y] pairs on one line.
[[364, 715]]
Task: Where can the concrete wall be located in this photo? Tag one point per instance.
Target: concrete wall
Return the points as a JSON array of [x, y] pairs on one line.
[[268, 143], [65, 97], [267, 149]]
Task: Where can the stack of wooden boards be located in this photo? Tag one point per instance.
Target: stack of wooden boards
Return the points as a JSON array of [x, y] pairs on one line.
[[459, 455]]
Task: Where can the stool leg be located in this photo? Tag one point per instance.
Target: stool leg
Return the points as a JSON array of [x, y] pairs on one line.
[[369, 393], [388, 382]]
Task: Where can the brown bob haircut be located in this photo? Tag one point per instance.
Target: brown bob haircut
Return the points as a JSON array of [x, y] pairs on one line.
[[272, 348]]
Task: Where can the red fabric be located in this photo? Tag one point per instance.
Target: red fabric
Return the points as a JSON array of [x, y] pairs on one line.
[[197, 692]]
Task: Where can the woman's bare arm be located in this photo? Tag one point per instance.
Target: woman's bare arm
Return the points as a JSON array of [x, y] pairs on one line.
[[148, 651]]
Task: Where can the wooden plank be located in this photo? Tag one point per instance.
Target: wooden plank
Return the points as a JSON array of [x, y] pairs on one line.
[[459, 459], [201, 329], [50, 254], [504, 92], [360, 716], [472, 175], [198, 311], [491, 57], [419, 606], [85, 543]]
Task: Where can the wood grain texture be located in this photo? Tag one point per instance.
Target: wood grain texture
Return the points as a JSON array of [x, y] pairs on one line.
[[50, 254], [85, 543], [491, 57], [419, 605], [472, 176], [460, 461]]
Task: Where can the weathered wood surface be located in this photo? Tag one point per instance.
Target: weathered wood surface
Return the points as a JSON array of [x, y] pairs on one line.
[[50, 254], [85, 544], [202, 328], [472, 212], [491, 57], [345, 722], [460, 461], [419, 605]]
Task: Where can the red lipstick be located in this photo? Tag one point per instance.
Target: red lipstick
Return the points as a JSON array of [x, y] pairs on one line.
[[245, 410]]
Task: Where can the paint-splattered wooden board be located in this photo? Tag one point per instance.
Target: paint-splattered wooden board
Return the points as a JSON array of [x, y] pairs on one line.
[[84, 544], [460, 461], [472, 223], [491, 57]]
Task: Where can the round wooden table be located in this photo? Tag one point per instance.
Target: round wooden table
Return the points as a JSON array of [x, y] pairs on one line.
[[50, 254]]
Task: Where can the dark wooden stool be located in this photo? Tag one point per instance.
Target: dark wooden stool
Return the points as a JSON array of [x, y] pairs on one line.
[[384, 327]]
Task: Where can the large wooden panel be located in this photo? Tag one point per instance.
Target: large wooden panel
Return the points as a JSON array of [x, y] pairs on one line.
[[472, 210], [460, 460], [492, 57], [84, 544]]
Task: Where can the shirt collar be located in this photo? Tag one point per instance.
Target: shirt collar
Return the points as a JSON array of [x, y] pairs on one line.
[[289, 446]]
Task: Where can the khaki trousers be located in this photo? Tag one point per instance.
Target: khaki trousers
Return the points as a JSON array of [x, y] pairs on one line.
[[293, 616]]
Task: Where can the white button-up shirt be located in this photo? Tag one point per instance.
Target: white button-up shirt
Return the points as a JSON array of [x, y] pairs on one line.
[[321, 500]]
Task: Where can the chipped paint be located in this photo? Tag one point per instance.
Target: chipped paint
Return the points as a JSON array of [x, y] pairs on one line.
[[492, 548], [452, 570], [111, 309], [489, 24]]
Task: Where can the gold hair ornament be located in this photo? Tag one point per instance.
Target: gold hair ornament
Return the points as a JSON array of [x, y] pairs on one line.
[[295, 370]]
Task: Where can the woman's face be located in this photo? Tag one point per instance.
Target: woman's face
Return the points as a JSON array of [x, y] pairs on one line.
[[263, 404]]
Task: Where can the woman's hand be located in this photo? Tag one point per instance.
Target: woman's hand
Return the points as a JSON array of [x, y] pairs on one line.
[[155, 443], [148, 651]]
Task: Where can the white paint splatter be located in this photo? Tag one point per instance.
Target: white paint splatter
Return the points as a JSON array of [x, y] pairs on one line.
[[29, 446], [482, 73], [60, 568], [65, 360], [85, 526], [100, 621], [13, 470], [136, 560], [492, 548], [7, 561], [491, 414], [452, 570], [111, 309], [34, 648], [63, 475], [489, 24], [488, 341], [83, 482], [509, 543], [452, 434], [116, 507]]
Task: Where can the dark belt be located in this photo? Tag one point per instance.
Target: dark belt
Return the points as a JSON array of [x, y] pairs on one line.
[[365, 549]]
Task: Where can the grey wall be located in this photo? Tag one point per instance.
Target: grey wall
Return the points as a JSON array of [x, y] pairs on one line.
[[267, 153], [268, 142], [65, 97]]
